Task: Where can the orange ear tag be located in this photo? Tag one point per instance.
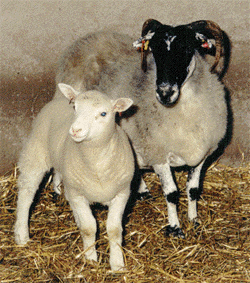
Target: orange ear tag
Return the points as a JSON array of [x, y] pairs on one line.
[[205, 45], [142, 45]]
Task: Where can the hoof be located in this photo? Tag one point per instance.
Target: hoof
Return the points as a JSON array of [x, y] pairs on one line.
[[144, 196], [55, 196], [119, 269], [196, 225], [21, 241], [174, 231]]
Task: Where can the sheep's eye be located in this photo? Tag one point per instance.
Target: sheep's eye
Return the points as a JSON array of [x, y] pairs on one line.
[[74, 107], [103, 114]]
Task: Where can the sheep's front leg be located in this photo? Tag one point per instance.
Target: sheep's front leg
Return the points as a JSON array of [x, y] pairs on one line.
[[86, 223], [194, 190], [114, 229], [172, 198]]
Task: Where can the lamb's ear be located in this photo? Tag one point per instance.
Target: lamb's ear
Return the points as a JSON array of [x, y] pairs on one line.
[[121, 104], [69, 92]]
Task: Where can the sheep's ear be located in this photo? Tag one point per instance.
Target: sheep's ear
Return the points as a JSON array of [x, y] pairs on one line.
[[121, 104], [68, 91]]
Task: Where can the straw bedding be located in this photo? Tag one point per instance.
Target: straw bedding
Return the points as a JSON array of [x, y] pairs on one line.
[[218, 251]]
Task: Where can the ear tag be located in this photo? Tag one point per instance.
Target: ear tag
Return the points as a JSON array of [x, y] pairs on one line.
[[138, 44], [120, 114], [142, 45], [146, 45], [205, 45]]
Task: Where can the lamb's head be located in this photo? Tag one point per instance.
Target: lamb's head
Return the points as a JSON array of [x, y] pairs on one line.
[[174, 50], [94, 113]]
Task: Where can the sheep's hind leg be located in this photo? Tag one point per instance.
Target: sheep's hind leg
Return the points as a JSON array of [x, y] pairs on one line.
[[28, 184], [194, 191], [57, 179], [86, 223], [114, 229], [172, 198], [143, 191]]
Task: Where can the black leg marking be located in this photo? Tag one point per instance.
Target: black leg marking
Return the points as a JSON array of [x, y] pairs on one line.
[[174, 231], [173, 197], [191, 171], [195, 193]]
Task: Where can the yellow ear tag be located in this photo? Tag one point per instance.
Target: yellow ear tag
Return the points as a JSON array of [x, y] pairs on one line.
[[146, 45]]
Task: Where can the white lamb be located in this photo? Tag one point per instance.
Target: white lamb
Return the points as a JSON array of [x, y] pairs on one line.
[[91, 154]]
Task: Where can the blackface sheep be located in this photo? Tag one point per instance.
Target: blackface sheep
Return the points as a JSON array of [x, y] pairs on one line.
[[191, 121], [91, 154]]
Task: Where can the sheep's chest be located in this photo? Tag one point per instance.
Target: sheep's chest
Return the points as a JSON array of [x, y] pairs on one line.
[[97, 181], [94, 186]]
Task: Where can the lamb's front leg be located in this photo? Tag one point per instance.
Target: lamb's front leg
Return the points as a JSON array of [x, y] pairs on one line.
[[86, 223], [172, 198], [194, 190], [114, 229]]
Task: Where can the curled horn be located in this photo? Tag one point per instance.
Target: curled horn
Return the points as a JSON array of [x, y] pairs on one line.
[[212, 30], [149, 25]]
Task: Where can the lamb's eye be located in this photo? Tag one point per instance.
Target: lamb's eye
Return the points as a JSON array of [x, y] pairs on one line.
[[103, 114], [74, 107]]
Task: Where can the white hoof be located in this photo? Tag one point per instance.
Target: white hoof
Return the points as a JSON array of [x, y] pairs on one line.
[[21, 235], [91, 254], [21, 240], [117, 263]]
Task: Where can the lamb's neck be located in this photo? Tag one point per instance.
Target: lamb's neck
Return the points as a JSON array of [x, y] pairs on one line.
[[101, 149]]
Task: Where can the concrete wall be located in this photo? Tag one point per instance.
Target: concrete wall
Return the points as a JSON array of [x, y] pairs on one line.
[[34, 33]]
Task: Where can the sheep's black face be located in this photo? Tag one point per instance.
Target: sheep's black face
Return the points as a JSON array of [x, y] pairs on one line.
[[173, 50]]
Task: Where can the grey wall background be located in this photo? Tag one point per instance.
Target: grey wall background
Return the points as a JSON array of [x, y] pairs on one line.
[[35, 32]]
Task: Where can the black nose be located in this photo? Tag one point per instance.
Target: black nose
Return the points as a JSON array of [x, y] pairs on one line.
[[165, 93], [167, 96]]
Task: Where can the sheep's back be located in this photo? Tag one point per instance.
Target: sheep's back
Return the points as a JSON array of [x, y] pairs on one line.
[[83, 63], [44, 143], [191, 129]]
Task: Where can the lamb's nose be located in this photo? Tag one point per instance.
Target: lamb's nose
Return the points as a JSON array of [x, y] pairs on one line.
[[75, 131]]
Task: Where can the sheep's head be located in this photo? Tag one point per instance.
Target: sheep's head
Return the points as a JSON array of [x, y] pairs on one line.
[[94, 113], [173, 49]]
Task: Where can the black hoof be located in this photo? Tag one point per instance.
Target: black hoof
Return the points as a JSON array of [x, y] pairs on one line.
[[174, 231], [144, 196], [55, 196], [196, 225]]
